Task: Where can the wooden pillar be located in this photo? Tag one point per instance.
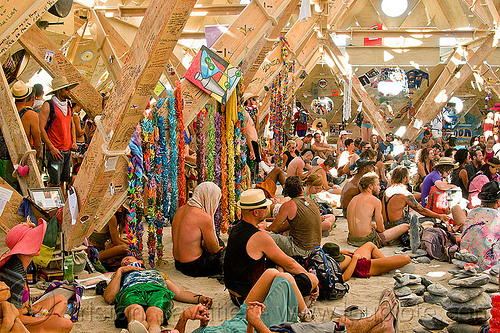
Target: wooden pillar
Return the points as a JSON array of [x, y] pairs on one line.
[[444, 90], [15, 138], [102, 179]]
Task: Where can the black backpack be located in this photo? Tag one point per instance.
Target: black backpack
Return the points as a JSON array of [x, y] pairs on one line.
[[327, 270]]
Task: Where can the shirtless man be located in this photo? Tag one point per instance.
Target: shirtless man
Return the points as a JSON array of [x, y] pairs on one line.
[[427, 140], [397, 199], [304, 143], [362, 208], [252, 138], [363, 165], [197, 251], [297, 165], [320, 148]]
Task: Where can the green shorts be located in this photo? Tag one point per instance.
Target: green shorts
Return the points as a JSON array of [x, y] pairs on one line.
[[146, 295]]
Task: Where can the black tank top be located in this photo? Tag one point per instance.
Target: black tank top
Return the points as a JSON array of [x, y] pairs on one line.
[[240, 270], [456, 180]]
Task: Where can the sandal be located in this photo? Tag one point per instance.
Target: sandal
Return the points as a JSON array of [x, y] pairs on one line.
[[306, 315], [136, 327], [393, 305]]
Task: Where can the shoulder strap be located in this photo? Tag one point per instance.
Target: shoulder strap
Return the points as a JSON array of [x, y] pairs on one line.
[[52, 114], [386, 205], [22, 112]]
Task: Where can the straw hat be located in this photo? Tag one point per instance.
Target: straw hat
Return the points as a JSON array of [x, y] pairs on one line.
[[334, 251], [445, 161], [59, 83], [20, 90], [321, 121], [496, 107], [248, 95], [23, 239], [252, 199]]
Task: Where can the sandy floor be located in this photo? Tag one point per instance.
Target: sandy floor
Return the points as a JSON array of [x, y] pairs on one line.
[[97, 316]]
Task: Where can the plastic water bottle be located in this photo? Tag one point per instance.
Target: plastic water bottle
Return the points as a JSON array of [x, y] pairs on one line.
[[68, 268]]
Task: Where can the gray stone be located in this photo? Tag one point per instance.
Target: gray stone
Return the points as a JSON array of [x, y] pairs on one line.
[[433, 299], [464, 275], [433, 323], [414, 234], [454, 270], [467, 257], [411, 301], [482, 302], [463, 328], [423, 260], [462, 294], [416, 254], [405, 280], [458, 263], [403, 291], [495, 269], [490, 288], [473, 281], [417, 289], [478, 317], [421, 330], [425, 281], [494, 280], [437, 289]]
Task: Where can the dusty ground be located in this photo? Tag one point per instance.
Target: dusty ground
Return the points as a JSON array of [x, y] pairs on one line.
[[97, 316]]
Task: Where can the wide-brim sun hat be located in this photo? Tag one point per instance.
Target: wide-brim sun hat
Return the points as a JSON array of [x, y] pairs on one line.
[[59, 83], [490, 192], [23, 239], [496, 107], [445, 161], [321, 121], [248, 95], [253, 199], [20, 90], [334, 251]]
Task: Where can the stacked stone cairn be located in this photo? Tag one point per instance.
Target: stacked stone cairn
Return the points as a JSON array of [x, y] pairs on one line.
[[409, 288], [467, 303]]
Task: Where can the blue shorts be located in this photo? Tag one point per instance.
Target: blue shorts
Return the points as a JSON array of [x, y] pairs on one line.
[[59, 171], [368, 126]]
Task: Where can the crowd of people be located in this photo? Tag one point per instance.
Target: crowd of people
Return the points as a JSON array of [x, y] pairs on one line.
[[384, 199]]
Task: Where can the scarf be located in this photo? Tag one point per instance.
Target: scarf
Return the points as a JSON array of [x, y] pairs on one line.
[[206, 196], [63, 106]]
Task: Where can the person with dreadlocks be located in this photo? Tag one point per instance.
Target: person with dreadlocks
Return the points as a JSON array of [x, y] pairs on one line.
[[197, 251]]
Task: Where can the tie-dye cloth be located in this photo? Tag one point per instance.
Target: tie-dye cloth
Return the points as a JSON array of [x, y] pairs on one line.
[[481, 236]]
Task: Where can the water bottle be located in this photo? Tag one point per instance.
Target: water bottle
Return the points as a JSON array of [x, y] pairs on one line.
[[68, 268], [31, 273]]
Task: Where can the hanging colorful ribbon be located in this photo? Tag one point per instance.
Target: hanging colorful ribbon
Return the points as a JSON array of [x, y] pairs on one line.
[[211, 144], [217, 164], [174, 159], [200, 140], [224, 208], [181, 179], [231, 115]]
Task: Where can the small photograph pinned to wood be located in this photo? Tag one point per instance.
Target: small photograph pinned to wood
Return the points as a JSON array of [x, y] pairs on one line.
[[49, 56]]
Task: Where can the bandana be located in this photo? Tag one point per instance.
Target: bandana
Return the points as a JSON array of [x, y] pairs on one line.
[[63, 106], [206, 196]]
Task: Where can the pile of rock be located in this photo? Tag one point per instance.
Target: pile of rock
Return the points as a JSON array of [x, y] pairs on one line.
[[409, 288]]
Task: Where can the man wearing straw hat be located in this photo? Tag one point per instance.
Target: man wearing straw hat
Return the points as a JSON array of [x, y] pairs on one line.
[[248, 247], [58, 132]]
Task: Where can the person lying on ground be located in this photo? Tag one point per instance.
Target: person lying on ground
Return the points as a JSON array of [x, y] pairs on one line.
[[143, 298], [362, 208], [24, 242], [196, 249], [365, 261], [275, 300], [301, 217], [248, 248]]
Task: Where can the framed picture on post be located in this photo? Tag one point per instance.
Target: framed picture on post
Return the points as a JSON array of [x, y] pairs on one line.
[[47, 198]]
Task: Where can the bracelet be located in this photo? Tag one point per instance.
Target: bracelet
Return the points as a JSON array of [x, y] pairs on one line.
[[198, 297]]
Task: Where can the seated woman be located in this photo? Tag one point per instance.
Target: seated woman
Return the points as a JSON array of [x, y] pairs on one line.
[[108, 241], [24, 242], [9, 316], [275, 299], [487, 173], [366, 261], [323, 170], [482, 227], [290, 153], [425, 158], [314, 185]]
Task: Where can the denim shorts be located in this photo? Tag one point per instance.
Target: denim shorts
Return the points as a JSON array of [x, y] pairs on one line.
[[59, 171]]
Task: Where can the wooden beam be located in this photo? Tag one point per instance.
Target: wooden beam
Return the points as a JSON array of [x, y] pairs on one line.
[[241, 36], [494, 13], [9, 217], [487, 73], [15, 138], [256, 56], [410, 33], [436, 14], [17, 16], [443, 90], [37, 44], [200, 10], [100, 184], [371, 111], [112, 47], [477, 8]]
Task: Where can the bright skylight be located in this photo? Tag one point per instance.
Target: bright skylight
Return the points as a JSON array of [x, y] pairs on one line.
[[394, 8]]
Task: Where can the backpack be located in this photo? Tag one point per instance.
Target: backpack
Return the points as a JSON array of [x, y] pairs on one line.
[[52, 113], [71, 291], [327, 270], [437, 201], [302, 116], [439, 243]]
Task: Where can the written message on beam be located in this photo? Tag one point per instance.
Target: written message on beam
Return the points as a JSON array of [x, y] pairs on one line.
[[149, 54], [37, 45], [371, 111], [15, 138], [430, 110], [17, 16], [241, 36]]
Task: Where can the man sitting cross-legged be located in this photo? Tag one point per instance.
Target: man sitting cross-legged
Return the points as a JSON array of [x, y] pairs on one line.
[[276, 300], [299, 163], [362, 208], [248, 248], [350, 189], [196, 249], [144, 297]]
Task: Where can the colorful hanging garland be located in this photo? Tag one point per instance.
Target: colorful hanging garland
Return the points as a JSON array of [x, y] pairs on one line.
[[224, 208], [211, 144], [217, 164], [181, 179], [231, 108], [174, 159], [200, 140], [161, 151]]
